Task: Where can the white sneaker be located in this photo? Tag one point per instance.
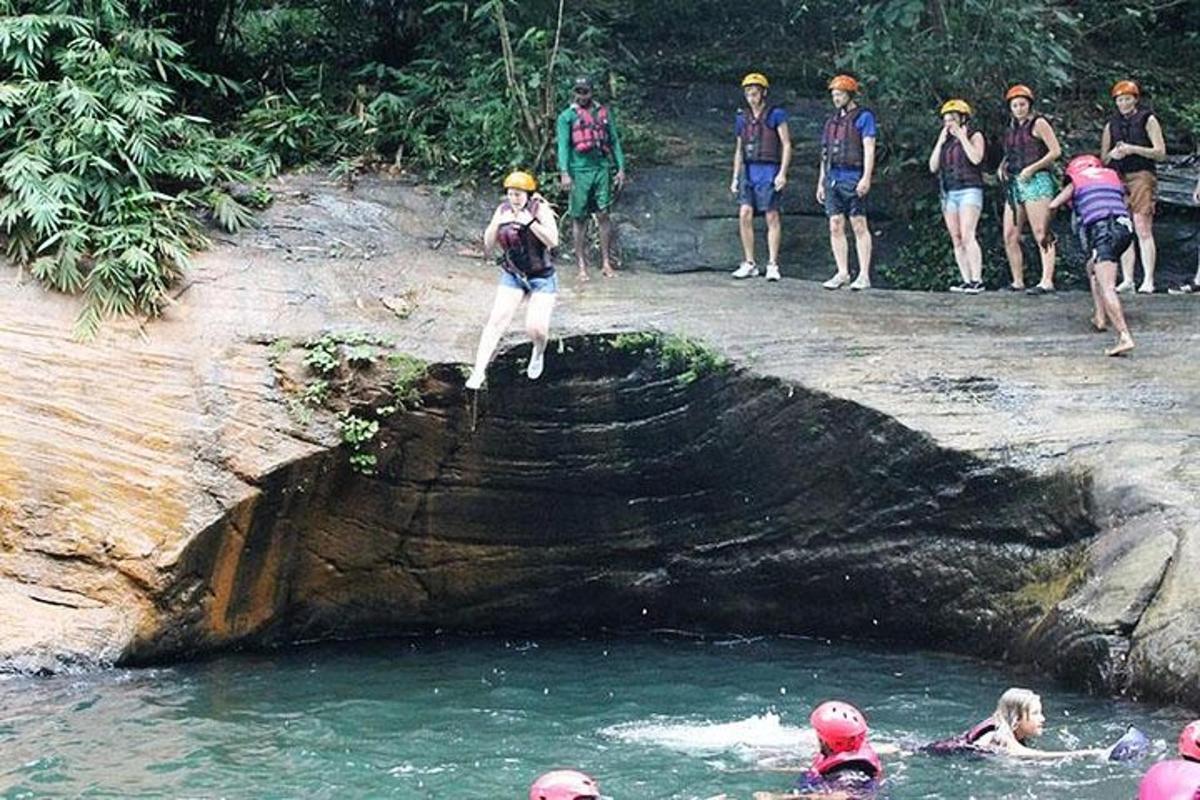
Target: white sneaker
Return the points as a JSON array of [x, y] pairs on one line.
[[537, 362], [748, 269], [475, 382], [861, 283], [772, 272], [1125, 286], [836, 282]]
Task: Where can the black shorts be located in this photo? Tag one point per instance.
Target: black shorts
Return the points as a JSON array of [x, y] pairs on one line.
[[842, 199], [1107, 239]]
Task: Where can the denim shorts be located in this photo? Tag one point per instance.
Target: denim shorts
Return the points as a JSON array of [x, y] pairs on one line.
[[1107, 239], [547, 284], [841, 198], [762, 197], [955, 199]]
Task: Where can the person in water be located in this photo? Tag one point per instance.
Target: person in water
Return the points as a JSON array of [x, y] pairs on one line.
[[1105, 232], [847, 167], [1017, 720], [846, 767], [1177, 779], [525, 229], [564, 784], [1132, 143], [761, 157], [1030, 150], [957, 160]]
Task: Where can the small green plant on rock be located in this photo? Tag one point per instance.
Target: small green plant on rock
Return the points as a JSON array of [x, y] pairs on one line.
[[407, 374], [688, 358], [357, 432]]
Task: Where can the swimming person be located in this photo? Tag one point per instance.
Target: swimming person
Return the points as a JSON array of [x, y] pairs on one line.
[[525, 229], [957, 160], [1177, 779], [846, 767], [1018, 718], [564, 784]]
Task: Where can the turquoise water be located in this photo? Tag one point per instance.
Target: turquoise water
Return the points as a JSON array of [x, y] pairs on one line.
[[479, 718]]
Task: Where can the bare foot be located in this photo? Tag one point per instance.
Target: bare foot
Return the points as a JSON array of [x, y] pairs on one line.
[[1099, 324], [583, 276], [1146, 288], [1124, 345], [608, 272]]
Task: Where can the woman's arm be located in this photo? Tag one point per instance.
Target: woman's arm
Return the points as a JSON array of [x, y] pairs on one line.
[[935, 157], [975, 148], [545, 226], [490, 233], [1042, 130]]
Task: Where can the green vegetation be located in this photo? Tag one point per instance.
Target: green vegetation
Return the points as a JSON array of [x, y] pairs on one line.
[[687, 359]]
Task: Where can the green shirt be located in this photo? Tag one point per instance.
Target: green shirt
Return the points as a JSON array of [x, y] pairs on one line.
[[570, 161]]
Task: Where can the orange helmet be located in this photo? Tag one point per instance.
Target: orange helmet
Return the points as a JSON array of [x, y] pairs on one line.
[[844, 83], [1126, 87], [1018, 90]]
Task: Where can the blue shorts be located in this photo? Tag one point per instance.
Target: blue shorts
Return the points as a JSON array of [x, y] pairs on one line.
[[762, 197], [547, 284], [840, 198], [955, 199]]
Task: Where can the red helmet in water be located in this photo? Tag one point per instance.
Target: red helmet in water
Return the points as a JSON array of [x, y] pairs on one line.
[[564, 784], [1080, 163], [1189, 741], [840, 726]]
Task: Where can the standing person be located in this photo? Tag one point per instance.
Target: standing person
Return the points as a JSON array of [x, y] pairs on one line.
[[847, 166], [1177, 779], [1030, 149], [760, 162], [957, 160], [525, 229], [588, 148], [1193, 286], [1131, 144], [1105, 232]]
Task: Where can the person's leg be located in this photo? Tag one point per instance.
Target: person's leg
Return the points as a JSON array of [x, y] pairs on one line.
[[606, 235], [537, 325], [950, 216], [1013, 222], [579, 237], [505, 305], [1099, 318], [774, 233], [1143, 226], [862, 246], [1128, 263], [1106, 276], [968, 220], [746, 231], [1038, 212], [841, 252]]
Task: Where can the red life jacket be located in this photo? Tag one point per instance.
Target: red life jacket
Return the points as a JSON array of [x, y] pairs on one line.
[[1021, 147], [841, 142], [1177, 779], [863, 758], [956, 170], [760, 142], [979, 731], [524, 254], [1131, 130], [589, 131]]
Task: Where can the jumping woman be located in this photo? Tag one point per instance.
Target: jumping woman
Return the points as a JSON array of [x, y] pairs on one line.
[[1030, 149], [957, 160]]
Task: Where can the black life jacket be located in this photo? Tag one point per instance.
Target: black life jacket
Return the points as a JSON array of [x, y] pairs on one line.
[[760, 142], [956, 170], [1021, 147], [841, 142], [1131, 130], [524, 254]]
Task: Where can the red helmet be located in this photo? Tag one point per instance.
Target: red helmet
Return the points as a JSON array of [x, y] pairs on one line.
[[844, 83], [840, 726], [1080, 163], [564, 784], [1189, 741], [1125, 87]]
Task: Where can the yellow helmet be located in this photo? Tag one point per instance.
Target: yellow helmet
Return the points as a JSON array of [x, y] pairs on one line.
[[520, 180], [755, 79], [961, 106]]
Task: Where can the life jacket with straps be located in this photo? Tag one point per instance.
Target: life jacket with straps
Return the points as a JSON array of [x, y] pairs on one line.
[[760, 142], [1131, 130], [841, 141], [963, 743], [1021, 147], [523, 253], [1099, 194], [956, 170], [863, 759], [1177, 779], [589, 130]]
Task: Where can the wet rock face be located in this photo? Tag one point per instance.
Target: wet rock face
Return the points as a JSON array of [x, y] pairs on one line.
[[618, 496]]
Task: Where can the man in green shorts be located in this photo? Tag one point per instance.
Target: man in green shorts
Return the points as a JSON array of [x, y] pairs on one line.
[[588, 149]]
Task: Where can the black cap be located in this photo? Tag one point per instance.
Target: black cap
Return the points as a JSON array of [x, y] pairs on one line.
[[583, 82]]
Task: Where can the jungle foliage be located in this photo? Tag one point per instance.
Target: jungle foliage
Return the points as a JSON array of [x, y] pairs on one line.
[[126, 125]]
